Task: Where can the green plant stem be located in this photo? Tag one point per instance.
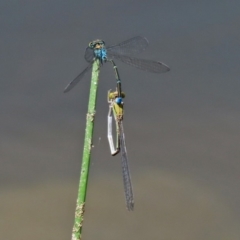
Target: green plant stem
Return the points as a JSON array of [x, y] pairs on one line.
[[82, 190]]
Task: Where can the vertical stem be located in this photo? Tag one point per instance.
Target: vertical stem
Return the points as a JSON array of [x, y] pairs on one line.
[[82, 190]]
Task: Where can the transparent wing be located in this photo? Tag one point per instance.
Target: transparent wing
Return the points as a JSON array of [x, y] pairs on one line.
[[143, 64], [89, 54], [131, 46], [125, 171], [74, 82]]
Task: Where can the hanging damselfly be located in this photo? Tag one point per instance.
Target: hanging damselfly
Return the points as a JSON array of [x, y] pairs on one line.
[[123, 52], [116, 111]]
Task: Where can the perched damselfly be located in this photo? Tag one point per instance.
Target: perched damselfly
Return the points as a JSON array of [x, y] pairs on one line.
[[124, 52]]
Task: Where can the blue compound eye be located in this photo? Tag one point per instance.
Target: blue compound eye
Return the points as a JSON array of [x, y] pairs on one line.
[[118, 100]]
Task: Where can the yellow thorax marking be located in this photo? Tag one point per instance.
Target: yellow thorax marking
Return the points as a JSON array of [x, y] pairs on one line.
[[117, 108]]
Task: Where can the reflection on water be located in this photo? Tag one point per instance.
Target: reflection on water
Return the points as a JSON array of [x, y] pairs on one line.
[[168, 206]]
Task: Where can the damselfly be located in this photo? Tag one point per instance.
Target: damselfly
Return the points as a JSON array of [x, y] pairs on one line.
[[123, 52], [116, 110]]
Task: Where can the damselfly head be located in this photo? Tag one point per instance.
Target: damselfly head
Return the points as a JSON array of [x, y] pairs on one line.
[[97, 44], [119, 100]]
